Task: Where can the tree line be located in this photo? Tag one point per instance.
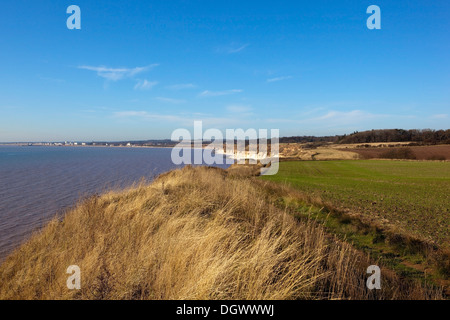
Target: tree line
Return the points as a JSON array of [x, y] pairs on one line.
[[420, 136]]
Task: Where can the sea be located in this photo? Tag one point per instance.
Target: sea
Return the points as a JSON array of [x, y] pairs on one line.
[[39, 182]]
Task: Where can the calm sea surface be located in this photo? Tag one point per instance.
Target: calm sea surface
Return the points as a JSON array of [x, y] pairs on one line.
[[38, 182]]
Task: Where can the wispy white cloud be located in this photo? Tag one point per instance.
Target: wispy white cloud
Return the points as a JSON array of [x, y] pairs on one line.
[[182, 86], [232, 48], [439, 116], [330, 122], [170, 100], [146, 115], [145, 85], [347, 117], [238, 49], [208, 93], [115, 74], [335, 118], [238, 108], [180, 119], [279, 79]]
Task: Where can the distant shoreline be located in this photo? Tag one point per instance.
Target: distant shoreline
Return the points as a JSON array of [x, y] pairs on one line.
[[80, 146]]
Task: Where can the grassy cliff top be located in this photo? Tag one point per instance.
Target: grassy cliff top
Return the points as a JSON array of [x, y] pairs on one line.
[[194, 233]]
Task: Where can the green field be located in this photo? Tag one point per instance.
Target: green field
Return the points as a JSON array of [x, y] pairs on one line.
[[414, 195]]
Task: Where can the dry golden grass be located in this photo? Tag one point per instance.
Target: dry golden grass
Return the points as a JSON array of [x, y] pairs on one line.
[[195, 233], [299, 151]]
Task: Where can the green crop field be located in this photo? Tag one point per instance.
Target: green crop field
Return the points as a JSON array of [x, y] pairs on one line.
[[414, 195]]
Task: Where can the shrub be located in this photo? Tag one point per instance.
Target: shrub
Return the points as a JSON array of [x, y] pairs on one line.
[[401, 153], [437, 157]]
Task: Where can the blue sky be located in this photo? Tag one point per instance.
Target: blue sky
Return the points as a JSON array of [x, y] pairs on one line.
[[140, 69]]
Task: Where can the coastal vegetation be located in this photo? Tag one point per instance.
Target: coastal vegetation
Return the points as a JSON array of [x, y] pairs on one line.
[[198, 233]]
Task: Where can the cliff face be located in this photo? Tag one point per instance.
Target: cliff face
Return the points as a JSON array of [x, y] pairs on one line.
[[195, 233]]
